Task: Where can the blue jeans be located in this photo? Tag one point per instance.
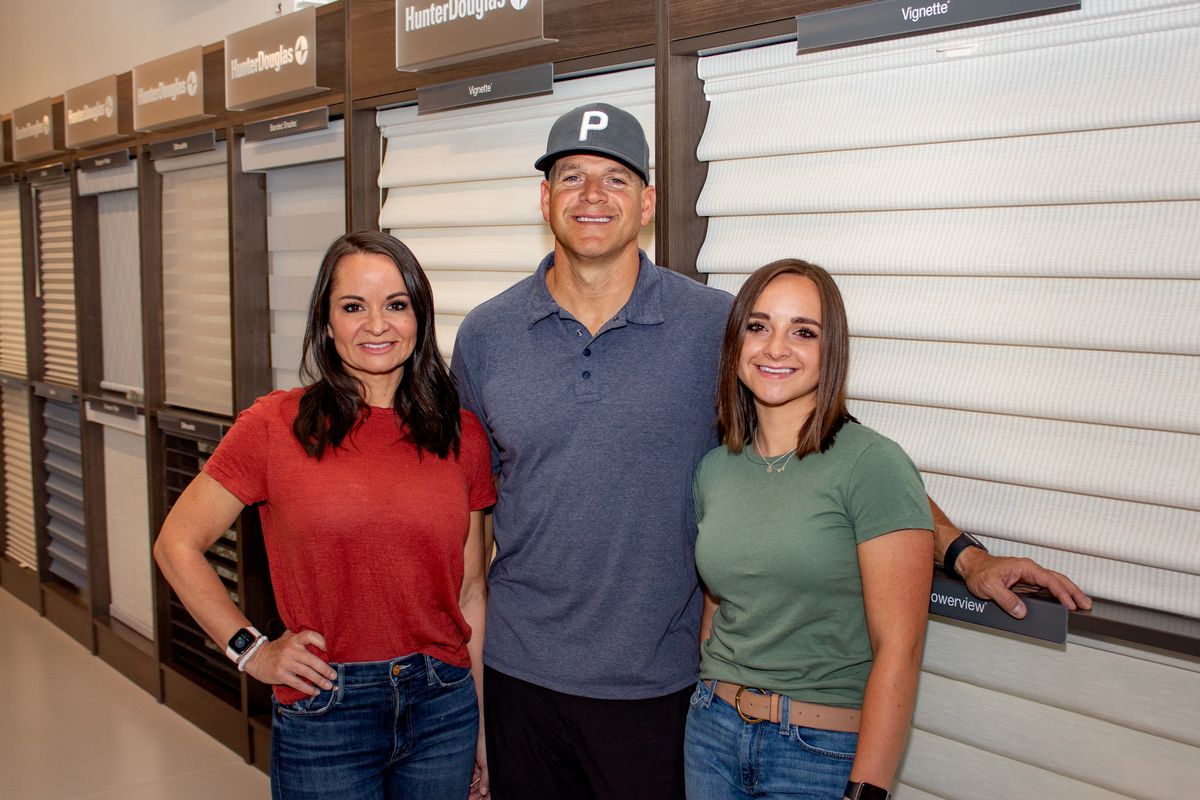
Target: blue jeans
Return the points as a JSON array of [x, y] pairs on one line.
[[726, 757], [404, 728]]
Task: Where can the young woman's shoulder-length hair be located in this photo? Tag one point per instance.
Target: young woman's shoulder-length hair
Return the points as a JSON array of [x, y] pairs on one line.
[[736, 416], [426, 400]]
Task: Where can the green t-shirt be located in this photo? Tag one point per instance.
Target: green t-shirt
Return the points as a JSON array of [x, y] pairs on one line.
[[779, 552]]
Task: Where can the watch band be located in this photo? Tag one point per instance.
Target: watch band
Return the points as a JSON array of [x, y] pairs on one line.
[[956, 548], [861, 790], [241, 642]]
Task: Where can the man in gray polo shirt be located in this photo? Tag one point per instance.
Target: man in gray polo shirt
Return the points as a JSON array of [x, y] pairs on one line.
[[595, 378]]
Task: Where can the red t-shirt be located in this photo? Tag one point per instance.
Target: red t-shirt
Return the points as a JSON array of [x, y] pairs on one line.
[[366, 545]]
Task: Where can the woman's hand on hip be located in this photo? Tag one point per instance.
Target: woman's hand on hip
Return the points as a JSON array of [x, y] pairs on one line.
[[288, 662]]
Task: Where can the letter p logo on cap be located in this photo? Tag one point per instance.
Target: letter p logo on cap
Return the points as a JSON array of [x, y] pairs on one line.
[[592, 121]]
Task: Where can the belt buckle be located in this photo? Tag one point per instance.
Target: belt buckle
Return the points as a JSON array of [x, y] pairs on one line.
[[737, 706]]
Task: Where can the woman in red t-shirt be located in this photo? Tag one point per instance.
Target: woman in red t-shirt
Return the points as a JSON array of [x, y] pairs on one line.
[[371, 485]]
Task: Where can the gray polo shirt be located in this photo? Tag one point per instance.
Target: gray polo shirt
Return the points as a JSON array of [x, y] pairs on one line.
[[593, 591]]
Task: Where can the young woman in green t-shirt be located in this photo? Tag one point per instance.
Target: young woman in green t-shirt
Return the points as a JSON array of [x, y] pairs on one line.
[[815, 548]]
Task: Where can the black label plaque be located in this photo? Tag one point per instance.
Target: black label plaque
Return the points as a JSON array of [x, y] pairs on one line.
[[54, 392], [1045, 618], [287, 125], [50, 172], [113, 408], [202, 430], [525, 82], [105, 161], [200, 143], [890, 19]]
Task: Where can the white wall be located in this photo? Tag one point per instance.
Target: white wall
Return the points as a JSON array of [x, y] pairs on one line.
[[49, 46]]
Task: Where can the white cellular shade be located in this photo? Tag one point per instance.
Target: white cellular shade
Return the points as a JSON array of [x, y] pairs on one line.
[[56, 272], [19, 539], [306, 212], [115, 179], [328, 144], [462, 193], [12, 285], [999, 718], [127, 515], [121, 290], [66, 543], [1012, 213], [196, 307]]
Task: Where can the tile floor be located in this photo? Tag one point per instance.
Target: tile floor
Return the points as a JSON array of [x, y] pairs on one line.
[[73, 727]]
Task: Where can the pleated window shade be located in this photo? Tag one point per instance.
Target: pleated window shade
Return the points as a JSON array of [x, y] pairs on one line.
[[196, 310], [66, 545], [462, 193], [12, 285], [56, 272], [120, 275], [1012, 213], [19, 539], [306, 211]]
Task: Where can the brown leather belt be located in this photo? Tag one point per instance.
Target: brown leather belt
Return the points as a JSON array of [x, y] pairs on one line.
[[755, 705]]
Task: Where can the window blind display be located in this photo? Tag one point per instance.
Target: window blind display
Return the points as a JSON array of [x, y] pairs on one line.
[[1017, 254], [19, 538], [195, 275], [56, 277], [306, 211], [190, 648], [127, 519], [12, 285], [1011, 214], [120, 275], [66, 546], [462, 193]]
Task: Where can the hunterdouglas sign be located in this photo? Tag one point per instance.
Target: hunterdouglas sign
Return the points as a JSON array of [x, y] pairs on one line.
[[33, 131], [92, 113], [433, 34], [271, 62], [169, 91]]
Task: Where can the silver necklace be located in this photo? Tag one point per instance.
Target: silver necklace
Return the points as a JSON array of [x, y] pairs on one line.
[[779, 464]]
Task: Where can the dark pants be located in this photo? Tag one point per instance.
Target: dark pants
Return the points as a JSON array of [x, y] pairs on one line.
[[546, 745]]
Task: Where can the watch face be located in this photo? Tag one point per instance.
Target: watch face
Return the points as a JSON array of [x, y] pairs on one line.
[[241, 640]]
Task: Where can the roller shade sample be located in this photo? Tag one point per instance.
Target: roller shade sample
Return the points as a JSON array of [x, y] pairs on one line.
[[306, 211], [196, 311], [19, 538], [190, 648], [56, 272], [1017, 253], [120, 275], [12, 285], [66, 545], [462, 193], [127, 520]]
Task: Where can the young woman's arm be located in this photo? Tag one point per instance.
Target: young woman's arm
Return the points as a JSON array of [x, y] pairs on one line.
[[896, 574], [472, 601], [204, 511]]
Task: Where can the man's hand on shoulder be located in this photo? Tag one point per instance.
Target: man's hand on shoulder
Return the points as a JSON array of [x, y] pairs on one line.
[[992, 578]]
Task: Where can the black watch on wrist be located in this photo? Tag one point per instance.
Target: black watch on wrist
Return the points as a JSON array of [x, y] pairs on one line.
[[956, 548], [861, 790]]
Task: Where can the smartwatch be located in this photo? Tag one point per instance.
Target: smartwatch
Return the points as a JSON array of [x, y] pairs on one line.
[[241, 641], [861, 790], [956, 548]]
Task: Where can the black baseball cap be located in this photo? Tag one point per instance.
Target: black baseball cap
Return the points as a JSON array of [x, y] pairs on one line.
[[602, 129]]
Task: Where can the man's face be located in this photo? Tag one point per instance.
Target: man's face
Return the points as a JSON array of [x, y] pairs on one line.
[[595, 206]]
